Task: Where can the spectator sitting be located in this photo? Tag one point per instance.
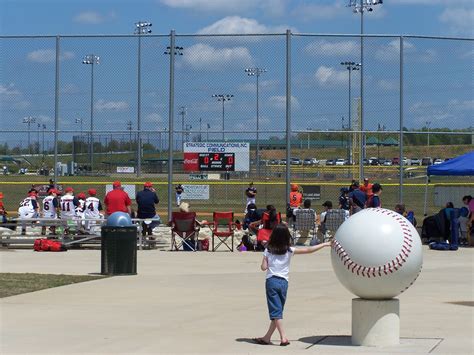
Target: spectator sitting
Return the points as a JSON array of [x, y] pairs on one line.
[[469, 202], [253, 214], [146, 200], [410, 215], [3, 213], [328, 207], [463, 225], [265, 225], [117, 200], [307, 224]]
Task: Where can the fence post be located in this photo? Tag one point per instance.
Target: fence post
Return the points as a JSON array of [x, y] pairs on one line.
[[170, 124], [400, 139], [288, 113], [56, 113]]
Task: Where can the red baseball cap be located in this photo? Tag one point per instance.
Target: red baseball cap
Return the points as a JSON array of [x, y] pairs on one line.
[[32, 193], [148, 184], [53, 191], [1, 194], [69, 189], [92, 192], [116, 184], [81, 195]]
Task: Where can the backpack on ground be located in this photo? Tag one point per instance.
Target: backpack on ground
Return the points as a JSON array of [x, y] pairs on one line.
[[44, 244]]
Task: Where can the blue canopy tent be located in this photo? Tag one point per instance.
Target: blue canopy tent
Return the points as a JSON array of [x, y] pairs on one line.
[[462, 165]]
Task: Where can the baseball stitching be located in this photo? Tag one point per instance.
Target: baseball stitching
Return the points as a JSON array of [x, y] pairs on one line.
[[391, 266]]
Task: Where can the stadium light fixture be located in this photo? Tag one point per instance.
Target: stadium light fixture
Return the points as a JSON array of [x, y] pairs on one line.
[[223, 98], [29, 120]]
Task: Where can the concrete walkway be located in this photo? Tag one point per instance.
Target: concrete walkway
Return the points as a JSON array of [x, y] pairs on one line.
[[215, 303]]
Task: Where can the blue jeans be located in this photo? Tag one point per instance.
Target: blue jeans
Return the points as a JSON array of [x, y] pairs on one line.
[[276, 289]]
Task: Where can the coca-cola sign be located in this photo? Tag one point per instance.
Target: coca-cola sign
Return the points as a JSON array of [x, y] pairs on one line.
[[191, 162]]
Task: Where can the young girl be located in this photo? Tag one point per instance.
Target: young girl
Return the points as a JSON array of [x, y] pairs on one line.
[[276, 262]]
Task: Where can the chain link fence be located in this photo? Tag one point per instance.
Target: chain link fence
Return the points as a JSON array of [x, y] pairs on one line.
[[304, 108]]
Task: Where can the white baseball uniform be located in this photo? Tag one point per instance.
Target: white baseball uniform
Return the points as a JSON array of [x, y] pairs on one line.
[[50, 203], [68, 209], [28, 208]]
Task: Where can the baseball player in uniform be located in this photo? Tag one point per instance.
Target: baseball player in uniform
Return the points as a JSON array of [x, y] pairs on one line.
[[50, 209], [68, 206], [92, 209], [29, 208]]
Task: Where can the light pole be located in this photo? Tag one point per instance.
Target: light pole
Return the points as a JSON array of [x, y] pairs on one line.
[[360, 6], [91, 60], [29, 120], [44, 127], [141, 28], [79, 120], [428, 124], [257, 72], [200, 129], [223, 98], [182, 112], [38, 138], [188, 129], [207, 134], [350, 66]]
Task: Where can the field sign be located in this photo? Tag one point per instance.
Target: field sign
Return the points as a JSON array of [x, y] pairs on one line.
[[195, 192], [311, 192]]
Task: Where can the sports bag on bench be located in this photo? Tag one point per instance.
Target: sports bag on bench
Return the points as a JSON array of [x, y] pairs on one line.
[[44, 244]]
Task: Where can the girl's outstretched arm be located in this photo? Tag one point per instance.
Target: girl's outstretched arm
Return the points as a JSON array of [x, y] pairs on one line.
[[264, 265], [309, 250]]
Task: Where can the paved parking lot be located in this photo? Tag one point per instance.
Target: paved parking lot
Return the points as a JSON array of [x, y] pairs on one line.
[[215, 303]]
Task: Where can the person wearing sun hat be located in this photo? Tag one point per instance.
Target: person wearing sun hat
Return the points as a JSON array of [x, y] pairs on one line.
[[146, 201], [117, 200]]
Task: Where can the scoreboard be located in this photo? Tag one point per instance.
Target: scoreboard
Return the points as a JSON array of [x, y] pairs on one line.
[[217, 161]]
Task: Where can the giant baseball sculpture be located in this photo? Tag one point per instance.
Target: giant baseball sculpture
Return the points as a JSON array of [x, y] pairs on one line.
[[377, 254]]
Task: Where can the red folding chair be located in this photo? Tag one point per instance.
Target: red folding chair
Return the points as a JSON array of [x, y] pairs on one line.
[[223, 227], [184, 230], [263, 234]]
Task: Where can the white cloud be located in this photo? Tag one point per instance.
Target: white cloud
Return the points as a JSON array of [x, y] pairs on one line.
[[10, 95], [268, 7], [93, 17], [309, 12], [154, 118], [329, 49], [430, 2], [263, 84], [240, 25], [48, 56], [327, 76], [466, 105], [279, 102], [102, 105], [203, 56], [388, 84], [391, 51], [459, 20]]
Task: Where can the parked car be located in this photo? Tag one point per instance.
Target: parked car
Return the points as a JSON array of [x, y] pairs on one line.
[[438, 161], [365, 162], [382, 161], [396, 161], [375, 160], [295, 161], [406, 161], [308, 162], [387, 162], [427, 161], [331, 162], [315, 161], [341, 161], [415, 161]]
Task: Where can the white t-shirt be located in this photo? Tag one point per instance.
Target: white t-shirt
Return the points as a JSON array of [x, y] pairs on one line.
[[278, 265]]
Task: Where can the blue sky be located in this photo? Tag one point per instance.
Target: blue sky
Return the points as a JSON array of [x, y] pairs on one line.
[[438, 74]]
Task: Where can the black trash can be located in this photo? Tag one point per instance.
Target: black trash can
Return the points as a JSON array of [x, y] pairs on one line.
[[119, 250]]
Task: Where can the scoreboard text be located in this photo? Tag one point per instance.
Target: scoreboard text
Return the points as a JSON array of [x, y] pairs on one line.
[[217, 161]]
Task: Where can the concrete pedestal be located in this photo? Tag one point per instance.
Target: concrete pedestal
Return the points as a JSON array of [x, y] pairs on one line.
[[375, 322]]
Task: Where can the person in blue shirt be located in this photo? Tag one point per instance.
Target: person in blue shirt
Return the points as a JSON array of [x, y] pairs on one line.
[[374, 200], [146, 201], [357, 198]]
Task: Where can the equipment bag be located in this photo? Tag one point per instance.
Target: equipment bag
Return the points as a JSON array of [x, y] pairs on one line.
[[48, 245]]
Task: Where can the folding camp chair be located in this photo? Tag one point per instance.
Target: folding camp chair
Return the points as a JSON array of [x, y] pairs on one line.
[[223, 227], [184, 230], [332, 222], [305, 221], [263, 235]]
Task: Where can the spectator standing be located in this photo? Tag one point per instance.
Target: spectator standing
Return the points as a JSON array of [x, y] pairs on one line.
[[276, 262], [251, 193], [469, 202], [357, 198], [50, 209], [344, 202], [367, 188], [117, 200], [179, 190], [92, 209], [3, 213], [146, 200], [374, 200], [296, 197]]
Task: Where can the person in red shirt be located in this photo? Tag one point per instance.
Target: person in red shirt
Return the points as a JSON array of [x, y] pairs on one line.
[[366, 188], [117, 200], [3, 213]]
